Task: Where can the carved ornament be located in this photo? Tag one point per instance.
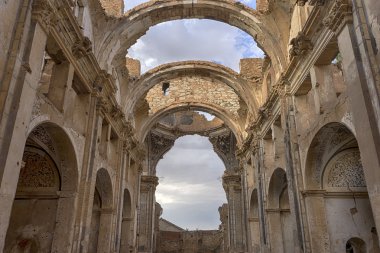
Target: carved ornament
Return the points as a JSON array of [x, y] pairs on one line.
[[148, 183], [104, 105], [100, 81], [347, 171], [159, 145], [82, 47], [301, 44], [39, 172], [43, 13], [43, 136], [340, 14], [222, 143]]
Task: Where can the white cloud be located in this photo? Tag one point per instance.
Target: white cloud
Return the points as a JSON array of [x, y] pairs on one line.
[[190, 188], [193, 40]]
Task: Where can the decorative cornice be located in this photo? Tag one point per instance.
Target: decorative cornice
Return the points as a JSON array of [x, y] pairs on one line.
[[311, 2], [43, 13], [340, 14]]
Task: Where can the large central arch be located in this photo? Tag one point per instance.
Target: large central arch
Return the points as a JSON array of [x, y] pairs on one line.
[[118, 35], [217, 111], [191, 68]]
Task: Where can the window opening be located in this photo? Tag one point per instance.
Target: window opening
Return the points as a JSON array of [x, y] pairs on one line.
[[165, 88]]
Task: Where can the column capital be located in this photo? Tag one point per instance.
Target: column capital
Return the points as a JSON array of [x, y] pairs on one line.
[[233, 180], [148, 183]]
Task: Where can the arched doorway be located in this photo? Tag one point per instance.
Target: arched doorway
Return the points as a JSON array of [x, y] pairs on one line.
[[40, 221]]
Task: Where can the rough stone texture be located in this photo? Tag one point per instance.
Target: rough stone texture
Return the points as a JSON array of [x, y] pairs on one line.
[[134, 68], [205, 241], [298, 130], [195, 89], [113, 7]]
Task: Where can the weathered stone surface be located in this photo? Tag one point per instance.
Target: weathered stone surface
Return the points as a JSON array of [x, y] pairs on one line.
[[81, 130]]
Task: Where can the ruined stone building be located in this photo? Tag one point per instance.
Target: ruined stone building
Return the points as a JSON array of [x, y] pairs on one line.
[[82, 130]]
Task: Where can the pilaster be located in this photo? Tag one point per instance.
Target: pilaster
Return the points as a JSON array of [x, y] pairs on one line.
[[147, 212]]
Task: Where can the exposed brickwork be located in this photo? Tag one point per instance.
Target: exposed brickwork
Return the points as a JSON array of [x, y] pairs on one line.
[[262, 5], [205, 241], [134, 67], [194, 89], [113, 7], [251, 68]]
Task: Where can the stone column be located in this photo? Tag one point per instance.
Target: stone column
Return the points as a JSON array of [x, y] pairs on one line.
[[223, 214], [124, 222], [146, 215], [18, 92], [126, 242], [105, 230], [274, 223], [360, 74], [232, 184], [294, 173], [88, 178], [259, 164]]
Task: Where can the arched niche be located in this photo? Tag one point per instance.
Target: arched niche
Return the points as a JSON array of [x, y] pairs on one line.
[[336, 193], [41, 220], [126, 224], [329, 140], [101, 219], [281, 223], [254, 222]]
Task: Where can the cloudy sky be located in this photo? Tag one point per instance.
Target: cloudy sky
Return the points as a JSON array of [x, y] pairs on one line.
[[190, 189], [193, 39]]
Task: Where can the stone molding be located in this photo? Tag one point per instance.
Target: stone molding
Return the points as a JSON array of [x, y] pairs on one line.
[[311, 2], [340, 14]]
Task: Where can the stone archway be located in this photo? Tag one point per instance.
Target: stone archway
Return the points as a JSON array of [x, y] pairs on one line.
[[119, 35], [40, 221], [200, 69], [176, 107]]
